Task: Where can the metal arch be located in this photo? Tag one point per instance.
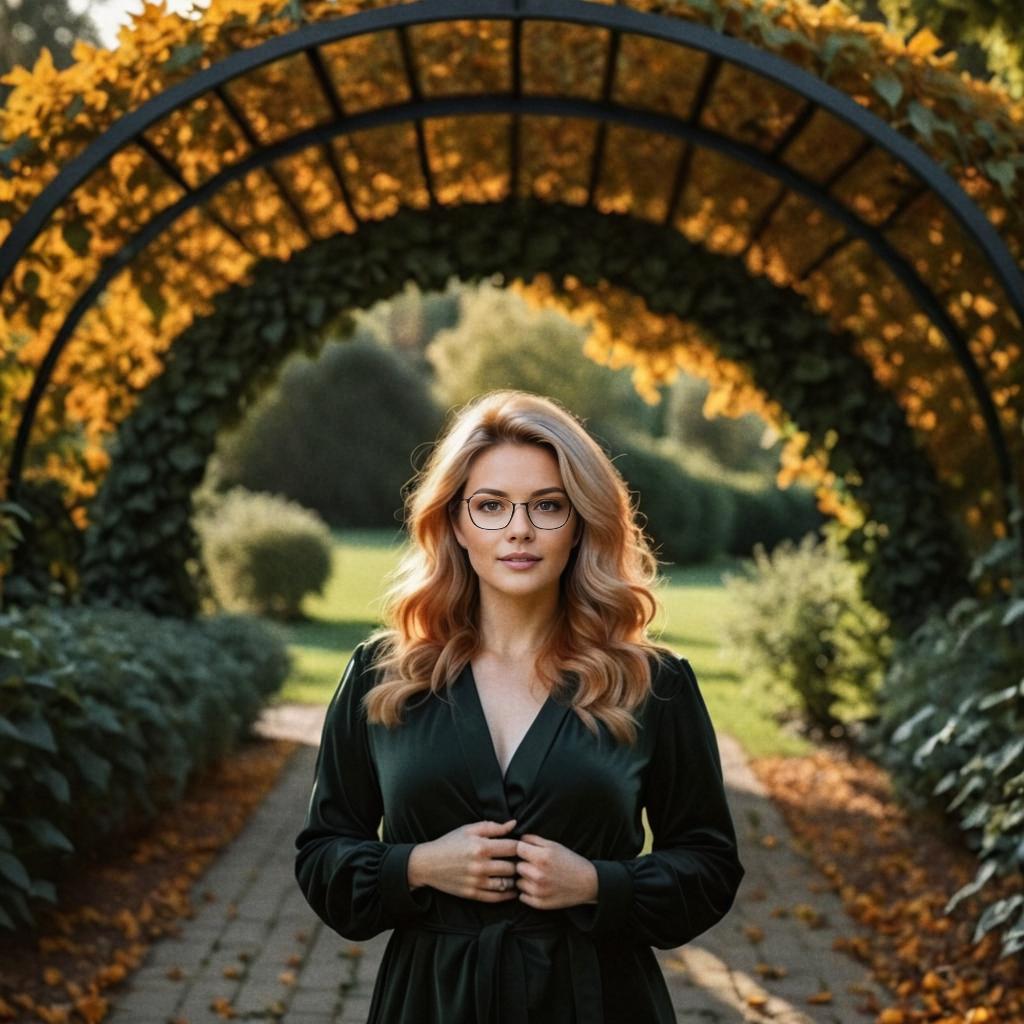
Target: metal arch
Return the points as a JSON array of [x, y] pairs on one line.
[[500, 103], [585, 12], [618, 19]]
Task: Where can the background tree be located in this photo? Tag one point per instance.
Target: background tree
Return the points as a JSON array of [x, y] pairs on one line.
[[26, 26], [741, 443], [502, 342], [339, 434]]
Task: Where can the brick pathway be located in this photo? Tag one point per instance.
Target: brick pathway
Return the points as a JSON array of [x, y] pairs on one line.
[[255, 945]]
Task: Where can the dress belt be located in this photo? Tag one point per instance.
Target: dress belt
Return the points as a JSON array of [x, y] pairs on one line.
[[501, 986]]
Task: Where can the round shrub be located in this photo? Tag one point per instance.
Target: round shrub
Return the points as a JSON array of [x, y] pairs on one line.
[[264, 553], [689, 518], [798, 624], [338, 434]]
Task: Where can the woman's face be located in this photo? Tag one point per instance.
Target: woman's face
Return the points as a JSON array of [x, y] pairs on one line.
[[516, 472]]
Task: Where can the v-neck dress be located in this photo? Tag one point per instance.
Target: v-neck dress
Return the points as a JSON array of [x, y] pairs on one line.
[[456, 960]]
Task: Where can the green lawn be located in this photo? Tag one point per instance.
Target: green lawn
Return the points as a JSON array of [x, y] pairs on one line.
[[692, 601]]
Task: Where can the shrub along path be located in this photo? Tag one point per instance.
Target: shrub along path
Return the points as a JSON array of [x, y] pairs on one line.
[[256, 950]]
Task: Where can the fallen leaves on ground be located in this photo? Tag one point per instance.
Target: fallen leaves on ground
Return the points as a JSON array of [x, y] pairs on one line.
[[111, 909], [894, 870]]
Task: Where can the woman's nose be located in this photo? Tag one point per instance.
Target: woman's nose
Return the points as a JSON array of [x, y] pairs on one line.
[[525, 522]]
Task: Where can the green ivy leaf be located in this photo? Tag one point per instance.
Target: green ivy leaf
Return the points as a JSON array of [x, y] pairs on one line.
[[74, 108], [922, 119], [890, 88], [55, 782], [14, 871], [94, 769], [48, 835], [30, 282], [19, 147], [183, 55], [1003, 172], [77, 236], [43, 890], [1014, 612], [154, 300], [274, 332], [35, 732]]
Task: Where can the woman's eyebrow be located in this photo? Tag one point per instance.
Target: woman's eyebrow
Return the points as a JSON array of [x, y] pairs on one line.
[[504, 494]]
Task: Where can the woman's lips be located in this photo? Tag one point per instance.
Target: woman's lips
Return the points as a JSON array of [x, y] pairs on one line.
[[519, 563]]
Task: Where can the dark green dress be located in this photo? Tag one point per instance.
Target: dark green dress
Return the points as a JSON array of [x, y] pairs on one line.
[[452, 960]]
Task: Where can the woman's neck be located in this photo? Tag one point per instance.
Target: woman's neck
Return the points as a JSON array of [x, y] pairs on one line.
[[511, 629]]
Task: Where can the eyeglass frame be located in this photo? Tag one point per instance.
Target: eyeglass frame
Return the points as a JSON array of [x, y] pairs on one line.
[[512, 514]]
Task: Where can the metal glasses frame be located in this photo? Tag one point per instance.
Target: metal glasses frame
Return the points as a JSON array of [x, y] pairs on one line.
[[511, 515]]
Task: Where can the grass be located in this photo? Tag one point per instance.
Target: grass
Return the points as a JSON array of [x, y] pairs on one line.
[[692, 597]]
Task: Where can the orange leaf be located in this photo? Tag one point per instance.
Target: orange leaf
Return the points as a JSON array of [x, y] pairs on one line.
[[824, 996], [222, 1007], [924, 43], [92, 1007], [111, 974]]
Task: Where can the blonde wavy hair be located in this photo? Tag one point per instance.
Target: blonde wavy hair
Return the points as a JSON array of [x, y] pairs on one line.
[[431, 606]]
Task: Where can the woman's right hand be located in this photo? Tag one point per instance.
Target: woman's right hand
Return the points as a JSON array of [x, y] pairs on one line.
[[463, 862]]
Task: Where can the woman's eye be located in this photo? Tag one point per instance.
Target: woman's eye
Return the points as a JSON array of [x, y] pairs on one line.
[[486, 503], [555, 505]]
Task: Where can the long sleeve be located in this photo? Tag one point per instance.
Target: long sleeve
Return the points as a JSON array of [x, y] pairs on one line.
[[356, 883], [688, 881]]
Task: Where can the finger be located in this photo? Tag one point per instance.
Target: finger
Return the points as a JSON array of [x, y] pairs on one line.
[[503, 847], [486, 892], [486, 828], [499, 867]]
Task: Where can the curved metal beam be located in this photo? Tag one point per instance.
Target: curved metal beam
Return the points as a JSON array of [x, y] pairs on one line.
[[618, 19], [501, 103]]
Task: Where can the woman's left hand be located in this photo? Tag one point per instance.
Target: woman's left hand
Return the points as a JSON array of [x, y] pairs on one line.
[[550, 875]]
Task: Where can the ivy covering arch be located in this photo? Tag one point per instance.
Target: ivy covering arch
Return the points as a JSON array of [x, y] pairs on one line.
[[853, 184]]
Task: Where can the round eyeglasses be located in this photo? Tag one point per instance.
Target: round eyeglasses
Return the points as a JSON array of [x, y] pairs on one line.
[[492, 513]]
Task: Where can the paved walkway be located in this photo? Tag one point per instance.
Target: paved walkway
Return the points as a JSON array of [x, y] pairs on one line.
[[254, 949]]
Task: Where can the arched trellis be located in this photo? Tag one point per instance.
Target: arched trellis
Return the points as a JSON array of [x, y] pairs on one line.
[[621, 24], [141, 540]]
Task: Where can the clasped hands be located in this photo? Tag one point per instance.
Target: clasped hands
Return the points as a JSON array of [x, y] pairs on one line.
[[467, 862]]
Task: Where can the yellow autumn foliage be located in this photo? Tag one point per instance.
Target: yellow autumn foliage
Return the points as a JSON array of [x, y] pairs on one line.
[[973, 129]]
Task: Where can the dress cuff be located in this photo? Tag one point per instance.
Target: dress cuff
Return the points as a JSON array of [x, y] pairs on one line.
[[396, 896], [614, 900]]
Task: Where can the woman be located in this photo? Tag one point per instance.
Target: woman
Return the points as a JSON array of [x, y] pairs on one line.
[[510, 726]]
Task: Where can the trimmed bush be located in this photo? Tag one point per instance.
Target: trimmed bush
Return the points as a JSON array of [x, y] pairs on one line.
[[951, 732], [105, 716], [263, 553], [338, 434], [798, 624], [768, 515]]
